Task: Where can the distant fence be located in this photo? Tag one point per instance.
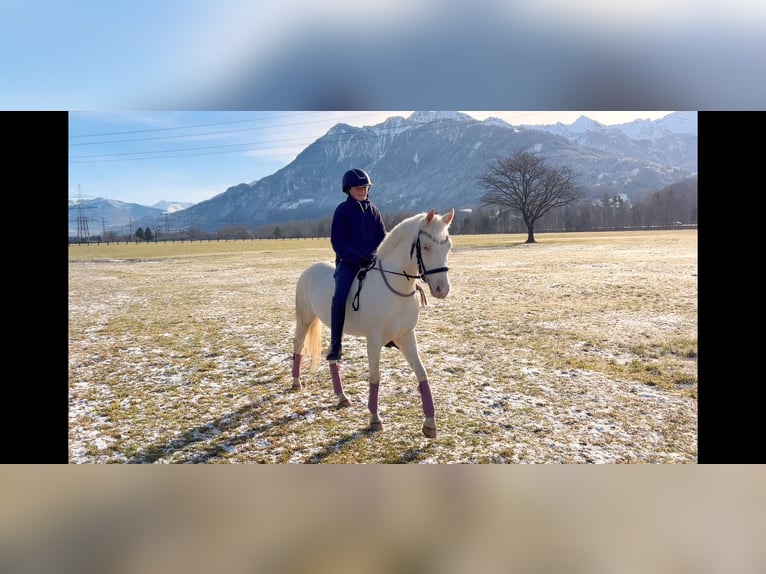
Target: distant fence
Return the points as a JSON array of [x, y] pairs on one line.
[[99, 241], [96, 240]]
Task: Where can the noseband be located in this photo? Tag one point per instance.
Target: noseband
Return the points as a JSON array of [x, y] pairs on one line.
[[424, 272]]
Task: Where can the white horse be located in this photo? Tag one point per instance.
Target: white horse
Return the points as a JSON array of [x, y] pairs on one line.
[[383, 306]]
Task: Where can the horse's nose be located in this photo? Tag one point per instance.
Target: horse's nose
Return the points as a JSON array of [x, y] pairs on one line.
[[441, 290]]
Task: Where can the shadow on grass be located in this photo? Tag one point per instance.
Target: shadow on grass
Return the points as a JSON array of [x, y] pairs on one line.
[[409, 456], [208, 431], [334, 448], [412, 455], [202, 438]]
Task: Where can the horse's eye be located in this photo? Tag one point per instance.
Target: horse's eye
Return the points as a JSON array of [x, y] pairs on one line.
[[427, 248]]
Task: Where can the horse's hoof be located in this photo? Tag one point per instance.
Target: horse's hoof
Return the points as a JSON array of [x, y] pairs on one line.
[[429, 432], [376, 426], [296, 387], [343, 403]]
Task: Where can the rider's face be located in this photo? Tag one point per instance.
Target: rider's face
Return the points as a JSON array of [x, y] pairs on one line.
[[360, 192]]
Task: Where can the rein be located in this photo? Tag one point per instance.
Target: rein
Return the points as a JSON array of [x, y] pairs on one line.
[[423, 275], [361, 275]]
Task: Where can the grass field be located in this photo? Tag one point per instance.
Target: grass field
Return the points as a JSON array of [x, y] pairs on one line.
[[579, 348]]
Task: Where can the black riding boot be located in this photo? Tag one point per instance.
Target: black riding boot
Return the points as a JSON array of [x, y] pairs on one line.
[[335, 351], [337, 319]]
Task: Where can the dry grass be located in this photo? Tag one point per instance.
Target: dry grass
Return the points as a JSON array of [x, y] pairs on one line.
[[580, 348]]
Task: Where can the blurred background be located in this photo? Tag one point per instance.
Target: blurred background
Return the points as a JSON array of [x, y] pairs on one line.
[[340, 55], [663, 519]]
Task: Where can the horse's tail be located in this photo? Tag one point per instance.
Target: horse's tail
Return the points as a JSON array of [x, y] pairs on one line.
[[313, 342]]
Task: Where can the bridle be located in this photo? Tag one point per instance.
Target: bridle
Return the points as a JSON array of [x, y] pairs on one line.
[[423, 271]]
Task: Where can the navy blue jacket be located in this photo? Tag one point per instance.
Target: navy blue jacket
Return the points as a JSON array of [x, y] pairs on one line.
[[357, 230]]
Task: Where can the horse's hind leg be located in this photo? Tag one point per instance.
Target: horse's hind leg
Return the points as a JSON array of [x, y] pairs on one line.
[[304, 327], [297, 358]]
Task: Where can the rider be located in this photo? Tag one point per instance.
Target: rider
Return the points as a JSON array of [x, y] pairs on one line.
[[357, 230]]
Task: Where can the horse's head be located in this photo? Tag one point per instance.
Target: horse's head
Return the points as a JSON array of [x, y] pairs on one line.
[[432, 246]]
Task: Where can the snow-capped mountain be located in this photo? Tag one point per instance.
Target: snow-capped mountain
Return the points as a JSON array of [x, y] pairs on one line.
[[172, 206], [96, 216], [678, 123], [434, 159]]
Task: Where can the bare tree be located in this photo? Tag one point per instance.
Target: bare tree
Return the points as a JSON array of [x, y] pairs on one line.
[[526, 183]]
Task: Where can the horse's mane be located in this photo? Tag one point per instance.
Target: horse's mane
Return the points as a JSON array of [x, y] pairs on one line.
[[407, 228]]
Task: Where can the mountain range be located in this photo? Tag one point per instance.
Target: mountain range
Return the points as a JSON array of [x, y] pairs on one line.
[[429, 159]]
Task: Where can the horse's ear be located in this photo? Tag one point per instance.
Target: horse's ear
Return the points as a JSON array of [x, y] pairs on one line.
[[447, 218], [430, 215]]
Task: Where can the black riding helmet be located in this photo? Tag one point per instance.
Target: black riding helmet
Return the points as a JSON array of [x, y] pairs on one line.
[[355, 178]]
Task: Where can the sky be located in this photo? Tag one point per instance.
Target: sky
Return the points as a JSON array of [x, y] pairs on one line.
[[145, 157], [239, 55]]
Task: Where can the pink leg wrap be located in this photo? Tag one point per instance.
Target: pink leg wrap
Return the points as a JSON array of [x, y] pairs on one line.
[[425, 395], [372, 400], [296, 365], [337, 386]]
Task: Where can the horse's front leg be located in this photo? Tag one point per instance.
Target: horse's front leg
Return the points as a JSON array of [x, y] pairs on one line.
[[409, 347], [373, 356]]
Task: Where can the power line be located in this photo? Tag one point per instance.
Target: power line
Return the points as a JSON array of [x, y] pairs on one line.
[[147, 130], [284, 125], [198, 134], [197, 151], [183, 149]]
